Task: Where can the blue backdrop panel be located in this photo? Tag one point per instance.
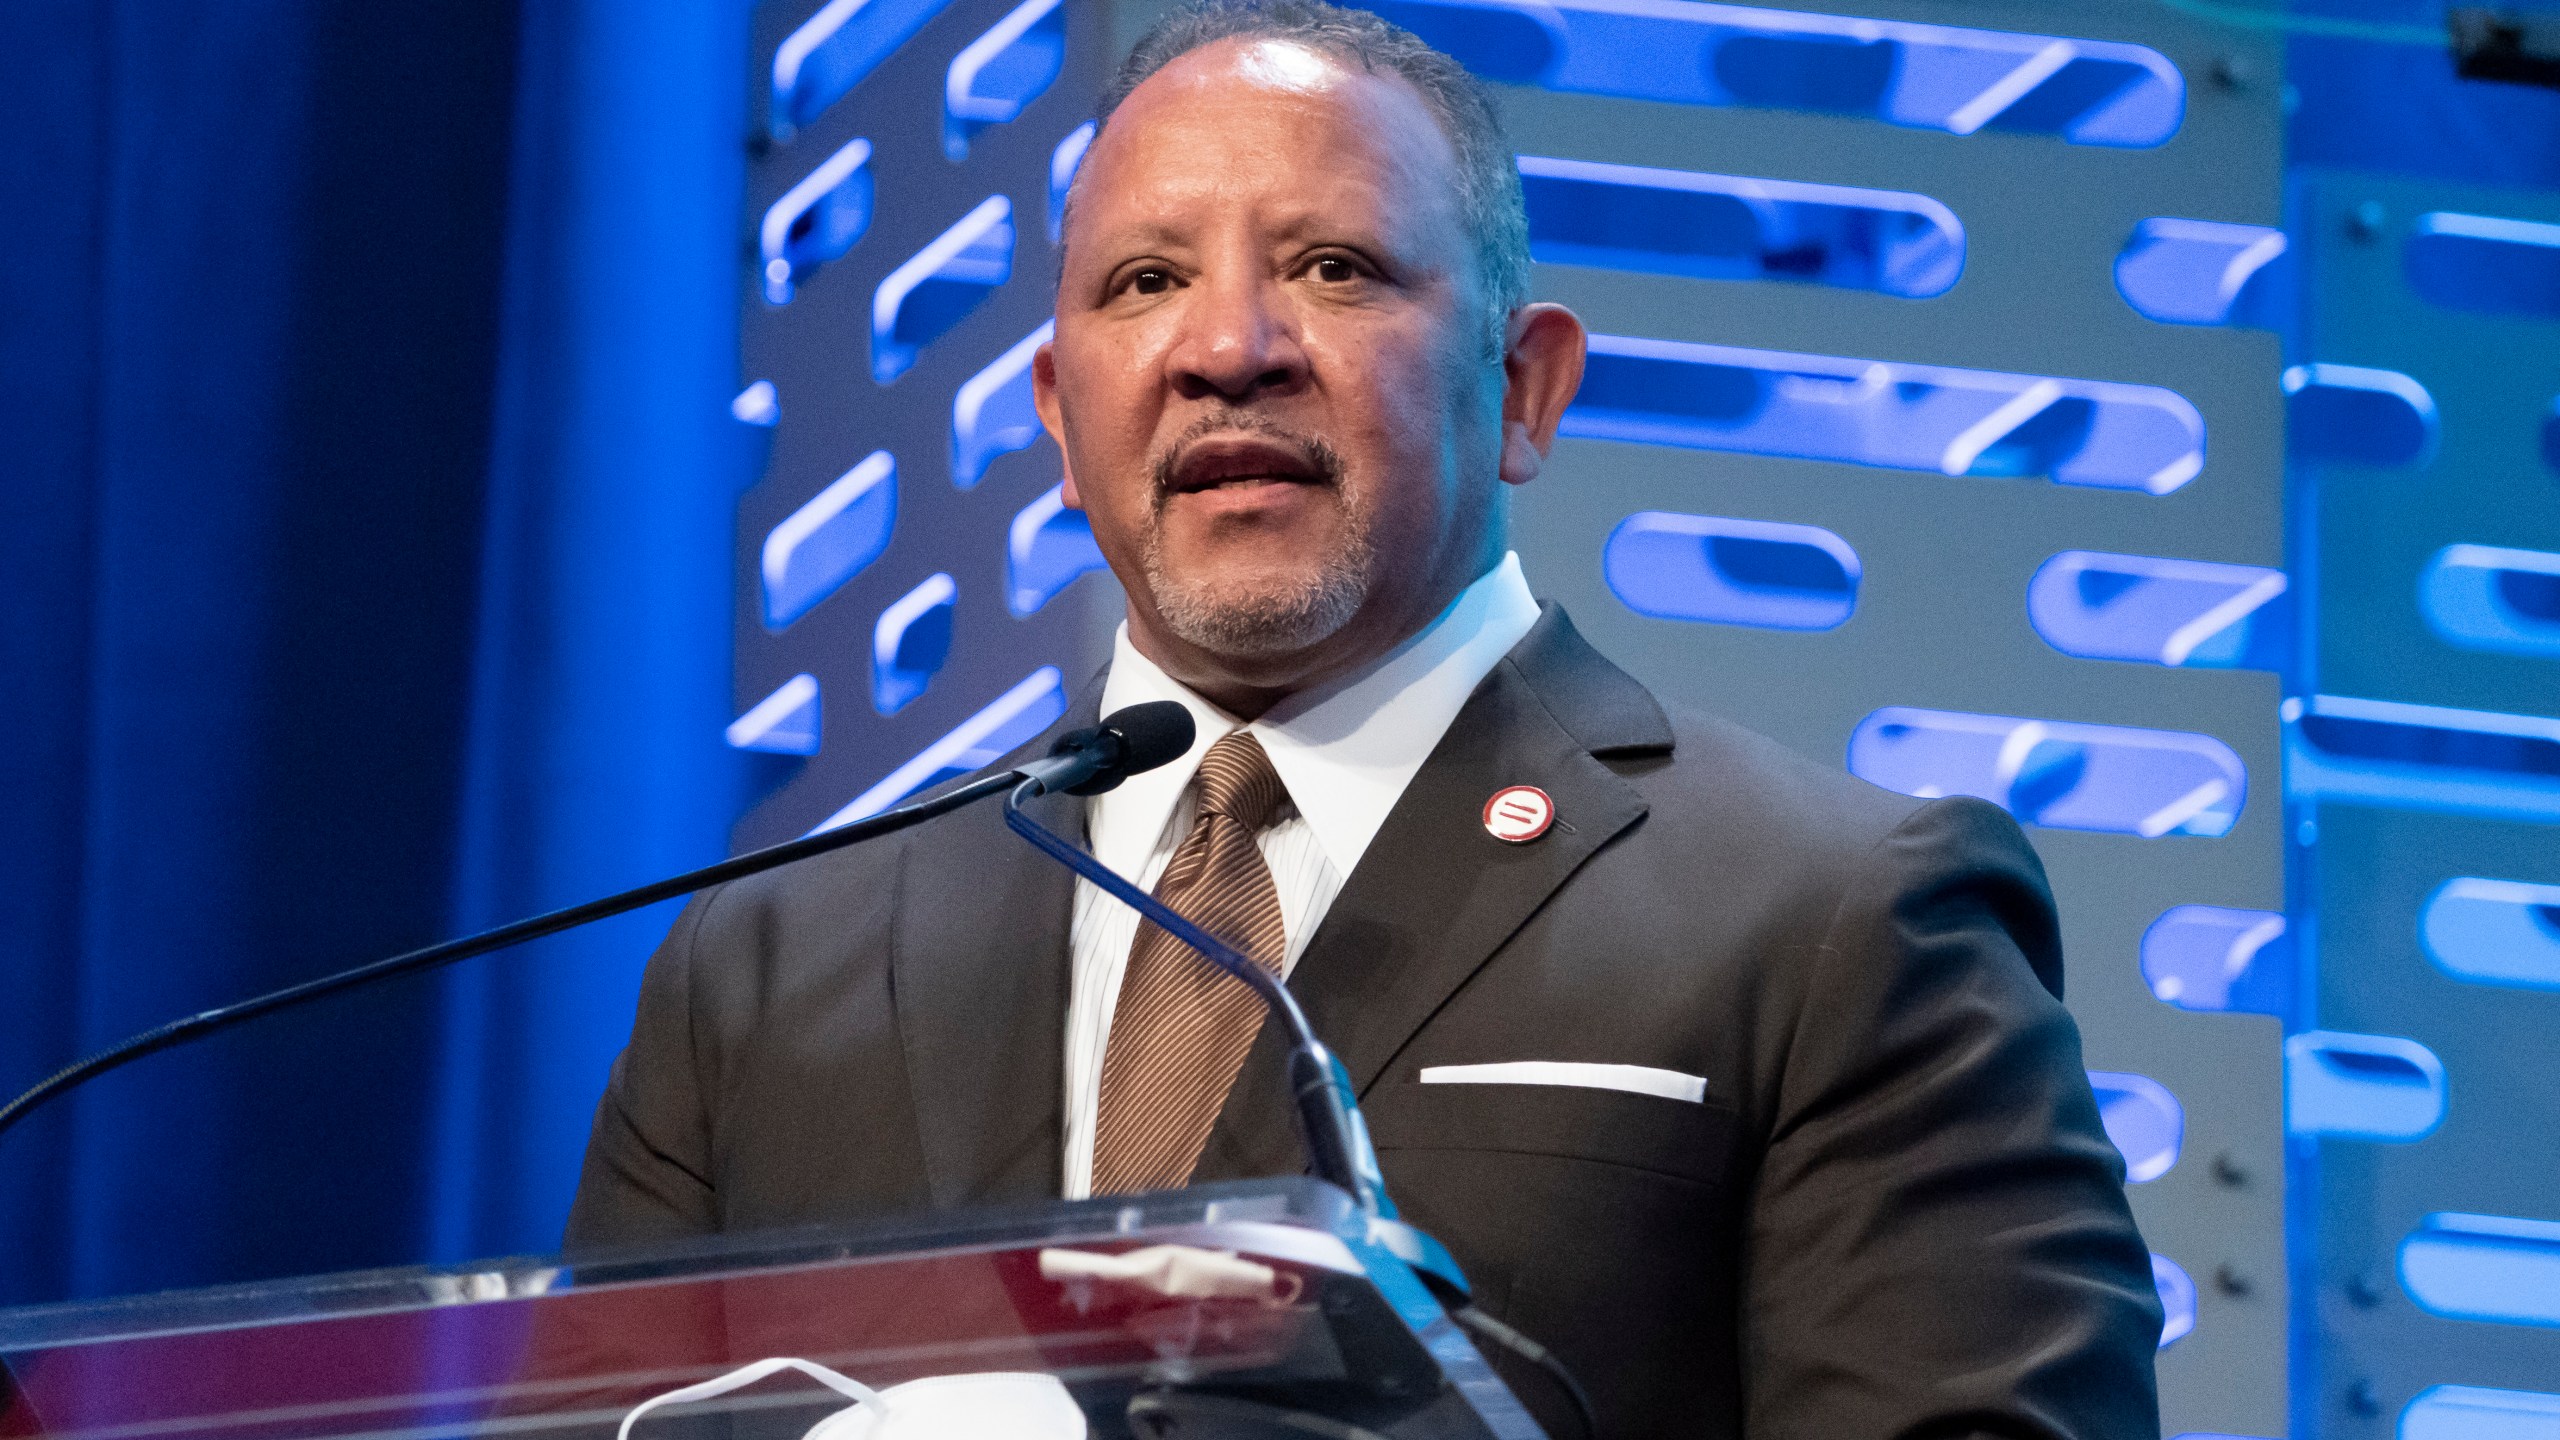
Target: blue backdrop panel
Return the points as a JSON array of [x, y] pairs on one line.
[[2436, 779], [2377, 105], [902, 545]]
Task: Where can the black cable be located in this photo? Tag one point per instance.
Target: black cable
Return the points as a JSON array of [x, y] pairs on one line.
[[224, 1017], [1485, 1327]]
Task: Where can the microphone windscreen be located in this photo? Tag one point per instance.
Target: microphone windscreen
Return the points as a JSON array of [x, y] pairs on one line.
[[1158, 732]]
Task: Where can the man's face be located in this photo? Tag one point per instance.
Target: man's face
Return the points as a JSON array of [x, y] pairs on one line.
[[1272, 378]]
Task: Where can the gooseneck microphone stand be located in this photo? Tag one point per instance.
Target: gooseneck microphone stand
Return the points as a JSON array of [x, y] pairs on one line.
[[1329, 1124], [1084, 762]]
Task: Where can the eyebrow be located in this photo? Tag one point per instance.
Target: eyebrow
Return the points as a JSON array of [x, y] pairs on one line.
[[1143, 233], [1146, 234], [1310, 223]]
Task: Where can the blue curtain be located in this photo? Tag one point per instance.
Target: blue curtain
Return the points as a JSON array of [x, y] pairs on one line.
[[601, 682], [364, 556]]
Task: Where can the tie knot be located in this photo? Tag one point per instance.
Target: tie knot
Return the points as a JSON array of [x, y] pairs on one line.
[[1237, 781]]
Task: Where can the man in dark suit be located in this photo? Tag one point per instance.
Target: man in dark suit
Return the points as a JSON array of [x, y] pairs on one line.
[[1744, 1086]]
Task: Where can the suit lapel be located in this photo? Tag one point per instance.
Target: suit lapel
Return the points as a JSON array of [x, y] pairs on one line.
[[979, 971], [1436, 895]]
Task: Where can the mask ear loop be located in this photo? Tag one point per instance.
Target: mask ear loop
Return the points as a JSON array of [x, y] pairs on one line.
[[739, 1379]]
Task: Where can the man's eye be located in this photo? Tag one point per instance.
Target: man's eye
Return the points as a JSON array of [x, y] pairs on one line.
[[1150, 282], [1334, 270]]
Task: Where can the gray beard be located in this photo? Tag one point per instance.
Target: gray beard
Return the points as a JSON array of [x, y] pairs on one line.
[[1259, 626]]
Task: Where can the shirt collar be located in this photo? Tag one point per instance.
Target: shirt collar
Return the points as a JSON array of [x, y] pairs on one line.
[[1345, 749]]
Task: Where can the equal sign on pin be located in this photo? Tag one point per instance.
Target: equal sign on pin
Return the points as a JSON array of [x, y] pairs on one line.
[[1518, 814]]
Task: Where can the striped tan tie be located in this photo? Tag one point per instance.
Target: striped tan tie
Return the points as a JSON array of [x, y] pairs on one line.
[[1182, 1027]]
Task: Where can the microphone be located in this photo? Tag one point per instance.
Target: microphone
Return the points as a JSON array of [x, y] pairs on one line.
[[1130, 741], [1082, 762]]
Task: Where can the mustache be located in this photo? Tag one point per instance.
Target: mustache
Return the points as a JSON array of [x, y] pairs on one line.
[[1312, 451]]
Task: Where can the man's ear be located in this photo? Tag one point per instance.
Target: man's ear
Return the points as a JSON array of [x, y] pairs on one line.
[[1541, 369], [1044, 398]]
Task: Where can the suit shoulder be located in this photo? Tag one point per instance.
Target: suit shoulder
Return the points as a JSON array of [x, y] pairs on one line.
[[1725, 774], [1798, 826], [750, 939], [849, 898], [820, 881]]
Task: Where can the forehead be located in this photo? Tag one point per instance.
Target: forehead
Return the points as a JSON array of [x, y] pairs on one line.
[[1273, 126]]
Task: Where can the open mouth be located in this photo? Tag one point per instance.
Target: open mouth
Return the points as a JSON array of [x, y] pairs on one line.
[[1237, 461]]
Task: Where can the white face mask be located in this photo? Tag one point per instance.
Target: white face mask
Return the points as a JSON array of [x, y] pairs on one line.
[[998, 1406]]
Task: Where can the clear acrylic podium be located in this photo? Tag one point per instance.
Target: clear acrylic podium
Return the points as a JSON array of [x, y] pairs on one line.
[[1346, 1343]]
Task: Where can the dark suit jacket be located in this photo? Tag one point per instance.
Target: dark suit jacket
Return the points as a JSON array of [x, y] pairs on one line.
[[1896, 1213]]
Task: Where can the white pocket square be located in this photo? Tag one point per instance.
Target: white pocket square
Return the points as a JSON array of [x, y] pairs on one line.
[[1636, 1079]]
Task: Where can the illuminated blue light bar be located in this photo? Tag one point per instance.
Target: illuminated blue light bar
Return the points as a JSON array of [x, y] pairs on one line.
[[910, 642], [756, 411], [2177, 1299], [758, 405], [2484, 1267], [1517, 42], [2485, 263], [2200, 272], [984, 738], [1874, 412], [816, 221], [829, 540], [2485, 598], [2159, 611], [2468, 1412], [1728, 227], [2355, 416], [2496, 932], [2108, 778], [1002, 71], [2144, 1121], [1062, 174], [1046, 549], [785, 722], [1930, 77], [938, 287], [2361, 1087], [2207, 957], [2423, 757], [835, 50], [992, 413], [1731, 572], [2551, 435]]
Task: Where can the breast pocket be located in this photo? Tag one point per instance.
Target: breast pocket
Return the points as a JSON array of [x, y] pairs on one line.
[[1600, 1222], [1678, 1138]]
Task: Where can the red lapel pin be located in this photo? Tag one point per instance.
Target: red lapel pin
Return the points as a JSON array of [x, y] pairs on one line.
[[1519, 814]]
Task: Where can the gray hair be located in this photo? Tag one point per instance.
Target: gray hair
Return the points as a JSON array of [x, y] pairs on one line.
[[1489, 202]]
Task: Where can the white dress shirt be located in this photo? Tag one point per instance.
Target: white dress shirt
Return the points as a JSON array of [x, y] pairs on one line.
[[1345, 750]]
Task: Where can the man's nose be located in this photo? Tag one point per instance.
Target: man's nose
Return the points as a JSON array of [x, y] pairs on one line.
[[1238, 340]]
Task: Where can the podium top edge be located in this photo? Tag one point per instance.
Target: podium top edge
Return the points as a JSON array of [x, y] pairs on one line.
[[1292, 1201]]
